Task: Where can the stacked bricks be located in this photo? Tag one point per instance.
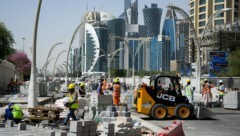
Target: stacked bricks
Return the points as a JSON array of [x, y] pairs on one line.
[[124, 127], [108, 129], [104, 101], [83, 128], [114, 111]]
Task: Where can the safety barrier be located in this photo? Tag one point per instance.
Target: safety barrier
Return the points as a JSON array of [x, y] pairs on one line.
[[174, 130]]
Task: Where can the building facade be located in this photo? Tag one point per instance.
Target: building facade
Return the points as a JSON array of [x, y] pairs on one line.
[[152, 20], [130, 13]]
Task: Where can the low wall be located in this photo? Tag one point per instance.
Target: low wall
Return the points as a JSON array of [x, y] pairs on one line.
[[6, 72]]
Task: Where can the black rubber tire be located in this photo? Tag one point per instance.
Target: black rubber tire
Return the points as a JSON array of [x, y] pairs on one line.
[[183, 111], [157, 117]]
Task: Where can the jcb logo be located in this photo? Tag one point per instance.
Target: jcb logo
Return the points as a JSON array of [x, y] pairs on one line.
[[167, 97]]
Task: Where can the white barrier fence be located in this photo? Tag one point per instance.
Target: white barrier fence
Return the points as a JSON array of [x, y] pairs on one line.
[[7, 71]]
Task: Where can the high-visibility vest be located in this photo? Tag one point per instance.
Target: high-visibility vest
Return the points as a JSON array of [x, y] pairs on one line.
[[206, 89], [188, 89], [116, 90], [71, 98], [17, 112], [221, 90]]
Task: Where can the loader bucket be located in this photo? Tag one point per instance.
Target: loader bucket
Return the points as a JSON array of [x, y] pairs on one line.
[[201, 112]]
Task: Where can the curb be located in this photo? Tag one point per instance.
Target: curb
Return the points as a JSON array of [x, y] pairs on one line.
[[148, 125]]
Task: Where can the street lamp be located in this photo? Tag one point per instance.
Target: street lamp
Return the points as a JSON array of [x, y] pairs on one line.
[[32, 94], [199, 43], [49, 53], [108, 58], [23, 43], [57, 60]]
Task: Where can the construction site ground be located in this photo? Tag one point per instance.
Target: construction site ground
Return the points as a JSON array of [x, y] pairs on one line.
[[224, 122]]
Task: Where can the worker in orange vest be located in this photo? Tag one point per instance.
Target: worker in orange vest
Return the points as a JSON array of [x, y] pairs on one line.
[[116, 91]]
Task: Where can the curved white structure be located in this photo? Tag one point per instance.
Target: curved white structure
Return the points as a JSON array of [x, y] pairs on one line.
[[91, 43]]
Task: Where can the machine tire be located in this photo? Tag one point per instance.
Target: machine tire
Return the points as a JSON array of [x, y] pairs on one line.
[[159, 112], [183, 111]]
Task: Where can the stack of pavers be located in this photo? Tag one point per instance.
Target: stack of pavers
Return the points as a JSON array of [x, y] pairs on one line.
[[118, 119], [114, 111], [103, 101], [83, 128]]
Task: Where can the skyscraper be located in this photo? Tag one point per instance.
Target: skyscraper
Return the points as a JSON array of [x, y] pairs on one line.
[[152, 20], [169, 29], [130, 14]]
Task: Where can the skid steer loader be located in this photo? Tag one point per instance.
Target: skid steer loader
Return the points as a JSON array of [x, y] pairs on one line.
[[163, 98]]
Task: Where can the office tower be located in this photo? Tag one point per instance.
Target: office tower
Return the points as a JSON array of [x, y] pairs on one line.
[[156, 53], [116, 28], [152, 20], [130, 13], [169, 29]]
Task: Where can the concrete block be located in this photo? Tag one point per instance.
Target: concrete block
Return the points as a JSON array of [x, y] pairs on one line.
[[75, 126], [125, 130], [131, 131], [119, 124], [92, 133], [88, 122], [108, 131], [108, 119], [111, 108], [63, 128], [45, 122], [86, 129], [113, 114], [124, 119], [120, 134], [10, 123], [63, 133], [138, 130], [21, 126], [74, 134], [85, 133], [50, 133], [128, 124], [2, 125], [93, 128]]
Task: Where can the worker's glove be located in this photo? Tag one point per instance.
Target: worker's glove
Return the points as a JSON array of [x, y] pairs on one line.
[[67, 104]]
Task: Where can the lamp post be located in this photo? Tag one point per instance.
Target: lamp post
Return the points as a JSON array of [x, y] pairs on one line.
[[57, 60], [23, 43], [49, 53], [199, 43], [32, 95]]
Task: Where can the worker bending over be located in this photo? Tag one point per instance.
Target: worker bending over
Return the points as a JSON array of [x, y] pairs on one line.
[[116, 91]]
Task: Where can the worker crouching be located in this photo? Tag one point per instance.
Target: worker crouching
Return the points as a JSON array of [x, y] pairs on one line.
[[116, 91], [14, 112], [72, 104]]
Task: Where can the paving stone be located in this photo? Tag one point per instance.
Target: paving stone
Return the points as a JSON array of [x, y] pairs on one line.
[[93, 128], [10, 123], [45, 122], [113, 114], [128, 124], [124, 119], [63, 128], [120, 134], [50, 133], [74, 134], [63, 133], [111, 108], [2, 125], [85, 129], [88, 122], [21, 126], [75, 126]]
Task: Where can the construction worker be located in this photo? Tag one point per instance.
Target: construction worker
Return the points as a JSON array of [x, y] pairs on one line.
[[189, 91], [14, 112], [206, 92], [221, 90], [82, 91], [100, 89], [116, 91], [72, 104]]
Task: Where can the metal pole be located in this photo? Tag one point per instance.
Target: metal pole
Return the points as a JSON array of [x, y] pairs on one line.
[[57, 60], [32, 96], [23, 43]]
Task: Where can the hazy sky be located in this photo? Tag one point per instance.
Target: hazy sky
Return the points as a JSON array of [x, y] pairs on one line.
[[58, 20]]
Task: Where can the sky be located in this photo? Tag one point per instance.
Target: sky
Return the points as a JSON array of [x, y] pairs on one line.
[[58, 20]]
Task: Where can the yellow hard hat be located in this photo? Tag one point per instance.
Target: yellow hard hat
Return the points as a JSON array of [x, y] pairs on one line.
[[82, 84], [116, 80], [188, 80], [71, 86], [205, 80]]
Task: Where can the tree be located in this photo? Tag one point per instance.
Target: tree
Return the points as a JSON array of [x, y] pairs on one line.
[[22, 63], [6, 42], [234, 64]]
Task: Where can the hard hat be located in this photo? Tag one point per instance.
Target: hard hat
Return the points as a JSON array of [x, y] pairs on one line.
[[82, 84], [220, 81], [188, 80], [205, 80], [71, 86], [116, 80]]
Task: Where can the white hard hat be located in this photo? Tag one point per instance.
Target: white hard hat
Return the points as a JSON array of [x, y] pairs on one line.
[[220, 81]]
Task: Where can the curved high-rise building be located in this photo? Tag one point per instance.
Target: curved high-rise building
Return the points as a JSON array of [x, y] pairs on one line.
[[169, 29], [152, 20], [130, 14]]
